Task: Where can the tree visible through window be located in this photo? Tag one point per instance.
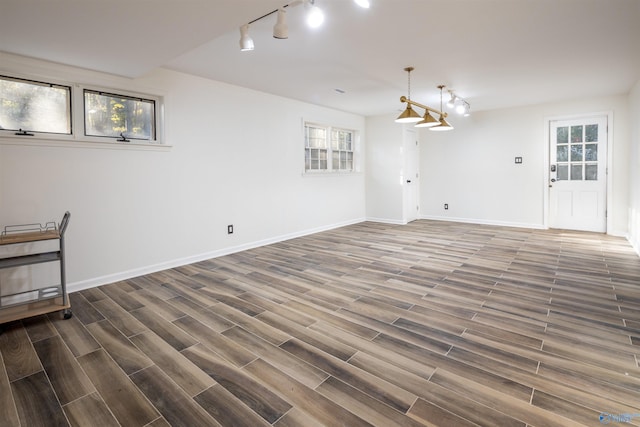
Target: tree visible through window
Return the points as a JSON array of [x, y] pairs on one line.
[[34, 106], [112, 115]]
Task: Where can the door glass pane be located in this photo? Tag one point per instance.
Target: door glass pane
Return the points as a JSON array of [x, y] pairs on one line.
[[591, 133], [576, 153], [563, 153], [563, 173], [591, 152], [591, 172], [576, 133], [576, 172], [562, 135]]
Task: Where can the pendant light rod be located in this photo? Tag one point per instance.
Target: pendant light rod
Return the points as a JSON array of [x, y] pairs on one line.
[[425, 107]]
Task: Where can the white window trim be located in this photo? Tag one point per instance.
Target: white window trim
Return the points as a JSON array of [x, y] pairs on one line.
[[77, 138], [332, 172]]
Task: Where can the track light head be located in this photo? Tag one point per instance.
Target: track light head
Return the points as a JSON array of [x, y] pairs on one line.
[[246, 42], [315, 16], [452, 101], [281, 30]]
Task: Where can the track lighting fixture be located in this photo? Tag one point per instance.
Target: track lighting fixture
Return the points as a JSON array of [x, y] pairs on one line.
[[314, 18], [460, 104], [280, 30], [246, 42]]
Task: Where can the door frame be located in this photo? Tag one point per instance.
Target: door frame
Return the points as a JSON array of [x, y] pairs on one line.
[[547, 161]]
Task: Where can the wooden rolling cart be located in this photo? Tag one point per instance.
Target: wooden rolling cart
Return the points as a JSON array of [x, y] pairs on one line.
[[35, 301]]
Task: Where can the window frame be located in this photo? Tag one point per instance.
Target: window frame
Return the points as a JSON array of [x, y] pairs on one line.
[[76, 107], [42, 134], [329, 129]]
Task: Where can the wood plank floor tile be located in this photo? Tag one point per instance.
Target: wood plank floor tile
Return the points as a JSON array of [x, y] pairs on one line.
[[63, 371], [120, 348], [75, 335], [228, 410], [20, 359], [172, 402], [255, 395], [129, 406], [119, 317], [180, 369], [309, 374], [168, 331], [223, 346], [90, 410], [39, 328], [36, 402], [8, 411], [308, 400]]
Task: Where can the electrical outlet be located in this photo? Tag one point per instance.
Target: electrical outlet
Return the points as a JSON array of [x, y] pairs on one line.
[[230, 229], [518, 160], [446, 206]]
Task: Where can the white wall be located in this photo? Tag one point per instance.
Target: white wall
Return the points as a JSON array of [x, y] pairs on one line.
[[237, 158], [385, 164], [634, 168], [472, 168]]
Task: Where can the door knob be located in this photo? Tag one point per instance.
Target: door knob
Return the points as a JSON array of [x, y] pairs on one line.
[[408, 181]]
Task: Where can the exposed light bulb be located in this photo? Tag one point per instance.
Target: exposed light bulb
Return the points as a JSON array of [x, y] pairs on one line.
[[363, 3], [315, 17]]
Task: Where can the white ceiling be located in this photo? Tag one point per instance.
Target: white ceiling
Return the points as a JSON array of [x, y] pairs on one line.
[[495, 53]]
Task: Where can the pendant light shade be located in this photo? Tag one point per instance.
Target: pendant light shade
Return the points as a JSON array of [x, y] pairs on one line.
[[409, 115], [443, 126], [280, 30], [427, 121], [246, 42]]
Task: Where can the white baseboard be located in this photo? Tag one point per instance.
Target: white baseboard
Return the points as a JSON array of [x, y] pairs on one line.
[[485, 222], [124, 275], [386, 221]]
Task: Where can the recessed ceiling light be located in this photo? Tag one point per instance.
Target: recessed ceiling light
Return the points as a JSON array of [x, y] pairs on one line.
[[363, 3]]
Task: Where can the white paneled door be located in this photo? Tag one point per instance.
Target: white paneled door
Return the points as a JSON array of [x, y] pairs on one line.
[[578, 174], [411, 176]]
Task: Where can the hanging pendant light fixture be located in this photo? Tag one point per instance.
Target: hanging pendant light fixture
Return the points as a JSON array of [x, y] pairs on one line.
[[444, 125], [408, 115]]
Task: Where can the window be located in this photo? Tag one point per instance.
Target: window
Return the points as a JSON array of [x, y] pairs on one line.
[[577, 153], [65, 112], [118, 116], [32, 106], [328, 149]]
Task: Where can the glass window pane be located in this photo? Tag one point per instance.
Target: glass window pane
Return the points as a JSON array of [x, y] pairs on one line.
[[591, 172], [562, 153], [563, 173], [335, 160], [591, 133], [562, 135], [113, 115], [591, 152], [576, 153], [34, 106], [576, 133], [576, 172]]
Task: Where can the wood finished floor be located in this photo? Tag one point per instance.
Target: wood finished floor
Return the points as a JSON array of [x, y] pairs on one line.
[[431, 323]]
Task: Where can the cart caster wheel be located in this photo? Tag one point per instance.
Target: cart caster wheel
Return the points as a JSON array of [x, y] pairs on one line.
[[67, 314]]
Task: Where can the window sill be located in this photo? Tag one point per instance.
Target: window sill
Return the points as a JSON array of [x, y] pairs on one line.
[[72, 143], [332, 173]]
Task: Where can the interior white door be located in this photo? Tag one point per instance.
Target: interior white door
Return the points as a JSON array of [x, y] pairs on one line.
[[578, 174], [411, 176]]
